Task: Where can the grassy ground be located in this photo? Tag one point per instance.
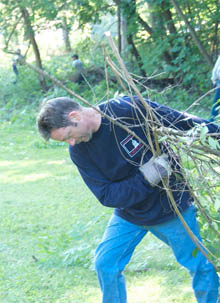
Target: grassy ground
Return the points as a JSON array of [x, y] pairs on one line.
[[50, 225]]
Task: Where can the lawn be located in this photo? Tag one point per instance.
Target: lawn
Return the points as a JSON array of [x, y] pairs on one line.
[[50, 225]]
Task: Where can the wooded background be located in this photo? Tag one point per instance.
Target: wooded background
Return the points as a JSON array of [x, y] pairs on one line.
[[177, 40]]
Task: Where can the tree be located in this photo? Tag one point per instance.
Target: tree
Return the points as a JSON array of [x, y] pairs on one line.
[[26, 17], [193, 33], [165, 35], [31, 36], [66, 30]]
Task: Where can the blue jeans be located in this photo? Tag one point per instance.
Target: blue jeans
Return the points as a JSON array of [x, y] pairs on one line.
[[14, 66], [214, 111], [119, 242]]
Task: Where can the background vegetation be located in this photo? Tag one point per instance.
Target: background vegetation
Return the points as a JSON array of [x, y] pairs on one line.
[[48, 240]]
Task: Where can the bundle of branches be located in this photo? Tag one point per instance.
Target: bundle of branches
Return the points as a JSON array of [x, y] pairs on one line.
[[197, 152]]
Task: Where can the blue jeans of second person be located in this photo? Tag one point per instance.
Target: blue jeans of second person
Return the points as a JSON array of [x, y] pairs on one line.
[[216, 104], [119, 242]]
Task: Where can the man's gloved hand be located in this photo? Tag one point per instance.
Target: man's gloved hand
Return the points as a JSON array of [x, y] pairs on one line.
[[156, 169]]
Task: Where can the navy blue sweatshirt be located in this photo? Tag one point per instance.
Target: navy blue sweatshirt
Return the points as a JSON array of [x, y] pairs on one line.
[[109, 163]]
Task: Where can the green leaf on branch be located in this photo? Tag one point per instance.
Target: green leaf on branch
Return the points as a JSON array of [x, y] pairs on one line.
[[213, 143], [203, 132], [162, 139], [217, 204], [195, 251]]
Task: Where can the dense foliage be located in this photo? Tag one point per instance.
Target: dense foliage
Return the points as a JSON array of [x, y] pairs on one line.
[[177, 38]]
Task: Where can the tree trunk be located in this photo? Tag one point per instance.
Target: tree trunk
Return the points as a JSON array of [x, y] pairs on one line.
[[215, 38], [157, 26], [145, 25], [168, 18], [65, 32], [31, 36], [129, 35], [193, 34], [124, 28], [136, 54], [119, 28]]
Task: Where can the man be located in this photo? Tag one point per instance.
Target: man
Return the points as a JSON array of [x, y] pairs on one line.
[[15, 60], [216, 82], [78, 66], [119, 169]]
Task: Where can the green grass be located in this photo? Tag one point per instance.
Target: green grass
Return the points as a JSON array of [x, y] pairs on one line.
[[51, 224]]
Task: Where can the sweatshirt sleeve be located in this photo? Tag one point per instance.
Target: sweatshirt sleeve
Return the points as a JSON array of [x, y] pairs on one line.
[[167, 116], [183, 121], [179, 120], [117, 194]]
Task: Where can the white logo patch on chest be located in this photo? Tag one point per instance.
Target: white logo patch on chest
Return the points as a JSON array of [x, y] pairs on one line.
[[131, 145]]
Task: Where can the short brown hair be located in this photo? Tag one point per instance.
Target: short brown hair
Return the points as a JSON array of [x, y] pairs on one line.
[[54, 115]]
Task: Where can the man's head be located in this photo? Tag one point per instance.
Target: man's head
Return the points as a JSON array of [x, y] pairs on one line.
[[75, 57], [54, 114], [63, 119]]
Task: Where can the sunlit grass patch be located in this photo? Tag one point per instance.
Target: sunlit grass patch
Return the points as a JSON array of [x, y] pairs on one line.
[[50, 226]]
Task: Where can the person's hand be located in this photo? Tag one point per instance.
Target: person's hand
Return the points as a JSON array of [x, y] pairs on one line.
[[156, 169]]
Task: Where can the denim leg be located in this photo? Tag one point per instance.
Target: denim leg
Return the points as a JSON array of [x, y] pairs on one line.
[[216, 104], [205, 279], [112, 255]]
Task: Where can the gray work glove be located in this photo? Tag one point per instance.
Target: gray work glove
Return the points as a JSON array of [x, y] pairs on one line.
[[156, 169]]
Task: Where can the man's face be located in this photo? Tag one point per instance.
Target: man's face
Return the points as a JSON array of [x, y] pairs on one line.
[[73, 134]]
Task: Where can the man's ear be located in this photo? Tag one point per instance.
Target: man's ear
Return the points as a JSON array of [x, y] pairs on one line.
[[74, 116]]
